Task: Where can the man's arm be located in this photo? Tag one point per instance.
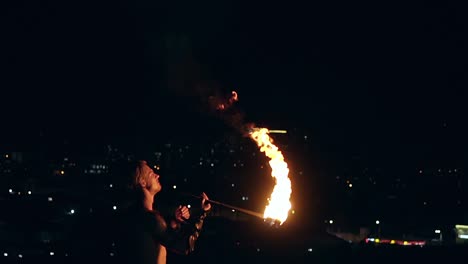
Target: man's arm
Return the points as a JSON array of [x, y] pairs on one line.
[[181, 237], [183, 231]]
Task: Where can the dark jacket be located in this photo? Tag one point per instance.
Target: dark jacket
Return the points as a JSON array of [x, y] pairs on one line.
[[141, 233]]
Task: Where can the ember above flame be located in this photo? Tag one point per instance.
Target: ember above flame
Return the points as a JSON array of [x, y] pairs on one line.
[[227, 103], [279, 203]]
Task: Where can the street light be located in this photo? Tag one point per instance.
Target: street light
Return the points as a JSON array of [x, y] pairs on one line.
[[437, 231], [329, 225], [377, 222]]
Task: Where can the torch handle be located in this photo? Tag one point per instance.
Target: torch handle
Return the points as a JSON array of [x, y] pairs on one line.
[[246, 211]]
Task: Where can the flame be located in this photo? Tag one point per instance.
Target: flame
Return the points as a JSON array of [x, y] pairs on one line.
[[233, 97], [226, 103], [279, 203]]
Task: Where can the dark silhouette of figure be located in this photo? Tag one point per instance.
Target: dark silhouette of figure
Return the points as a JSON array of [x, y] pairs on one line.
[[144, 235]]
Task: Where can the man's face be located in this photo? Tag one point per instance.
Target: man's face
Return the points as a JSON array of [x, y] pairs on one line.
[[152, 180]]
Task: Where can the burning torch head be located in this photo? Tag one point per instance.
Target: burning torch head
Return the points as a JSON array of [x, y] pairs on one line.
[[272, 222]]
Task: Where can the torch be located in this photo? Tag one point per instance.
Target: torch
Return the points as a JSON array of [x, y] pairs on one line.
[[269, 221], [279, 204]]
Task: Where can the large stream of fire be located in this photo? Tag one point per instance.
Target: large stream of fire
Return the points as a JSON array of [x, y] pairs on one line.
[[279, 201]]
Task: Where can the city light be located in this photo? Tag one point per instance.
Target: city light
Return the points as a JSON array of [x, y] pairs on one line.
[[397, 242], [462, 231], [237, 188]]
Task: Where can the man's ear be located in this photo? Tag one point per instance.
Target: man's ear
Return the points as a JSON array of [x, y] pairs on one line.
[[142, 183]]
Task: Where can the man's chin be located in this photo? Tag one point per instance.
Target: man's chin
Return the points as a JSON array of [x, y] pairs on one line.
[[156, 189], [159, 188]]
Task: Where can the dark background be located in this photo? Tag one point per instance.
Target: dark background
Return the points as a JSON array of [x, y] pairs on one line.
[[387, 80], [377, 87]]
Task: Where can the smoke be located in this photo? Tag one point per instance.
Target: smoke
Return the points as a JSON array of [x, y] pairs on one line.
[[193, 83], [223, 107]]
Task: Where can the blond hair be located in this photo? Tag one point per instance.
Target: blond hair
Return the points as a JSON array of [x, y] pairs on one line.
[[137, 174]]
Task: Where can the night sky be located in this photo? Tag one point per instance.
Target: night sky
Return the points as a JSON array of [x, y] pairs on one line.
[[384, 81]]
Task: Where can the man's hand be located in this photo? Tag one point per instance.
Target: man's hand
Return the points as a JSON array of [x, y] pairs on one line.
[[182, 213], [205, 205]]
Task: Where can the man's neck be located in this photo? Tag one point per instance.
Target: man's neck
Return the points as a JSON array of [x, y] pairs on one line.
[[148, 201]]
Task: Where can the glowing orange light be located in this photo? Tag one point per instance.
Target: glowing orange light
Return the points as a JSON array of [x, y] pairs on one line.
[[233, 97], [227, 103], [279, 203]]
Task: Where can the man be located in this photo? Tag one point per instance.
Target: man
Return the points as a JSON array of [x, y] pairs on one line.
[[144, 234]]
